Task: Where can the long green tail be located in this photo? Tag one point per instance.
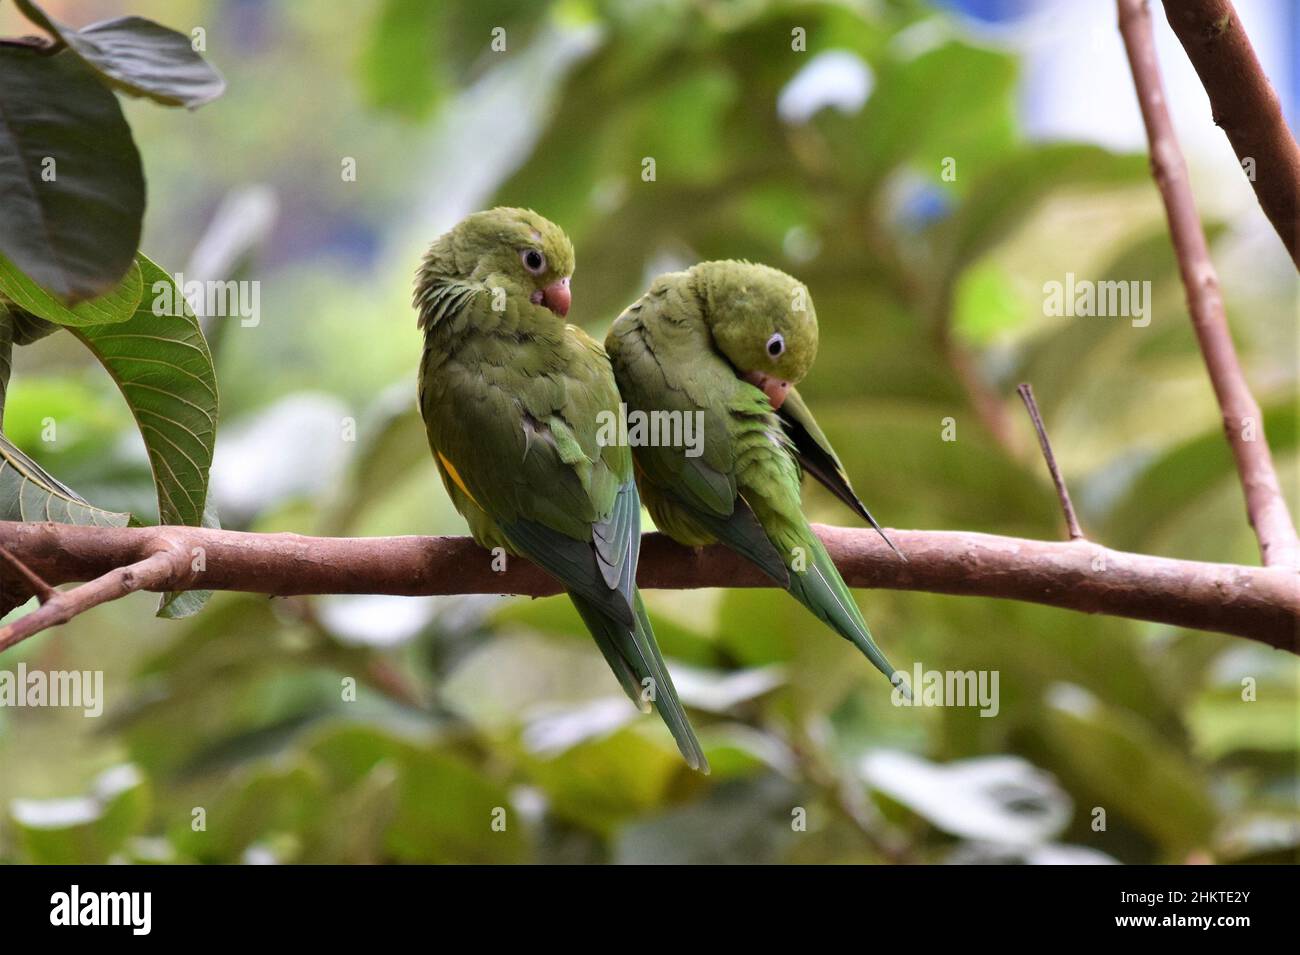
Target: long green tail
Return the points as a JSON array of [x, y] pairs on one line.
[[633, 655], [822, 590]]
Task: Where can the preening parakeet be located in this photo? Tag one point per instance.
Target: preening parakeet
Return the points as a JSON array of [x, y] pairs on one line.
[[727, 342], [512, 399]]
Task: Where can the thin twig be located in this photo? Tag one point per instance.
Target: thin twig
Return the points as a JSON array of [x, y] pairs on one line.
[[1245, 106], [1243, 423], [152, 573], [40, 588], [1026, 392]]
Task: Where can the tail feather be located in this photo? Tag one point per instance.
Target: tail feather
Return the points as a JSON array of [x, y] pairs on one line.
[[669, 706], [634, 657], [606, 634], [822, 590]]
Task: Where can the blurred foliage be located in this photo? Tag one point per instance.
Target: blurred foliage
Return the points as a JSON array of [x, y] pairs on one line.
[[474, 729]]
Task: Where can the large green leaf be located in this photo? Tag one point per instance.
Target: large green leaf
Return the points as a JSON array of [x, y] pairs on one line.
[[27, 491], [30, 493], [115, 306], [70, 175], [162, 365], [139, 57]]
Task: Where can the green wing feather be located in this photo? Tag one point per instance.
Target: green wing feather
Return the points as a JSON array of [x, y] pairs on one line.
[[818, 458], [742, 532], [705, 483]]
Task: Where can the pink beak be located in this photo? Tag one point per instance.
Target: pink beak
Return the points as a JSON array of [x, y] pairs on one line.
[[775, 388], [556, 297]]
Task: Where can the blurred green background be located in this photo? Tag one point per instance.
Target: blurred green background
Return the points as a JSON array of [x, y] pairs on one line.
[[1113, 740]]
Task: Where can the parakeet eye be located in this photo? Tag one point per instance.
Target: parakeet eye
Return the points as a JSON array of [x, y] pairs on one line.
[[776, 345], [534, 261]]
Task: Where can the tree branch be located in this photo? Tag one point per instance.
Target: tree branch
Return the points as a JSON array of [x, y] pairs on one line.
[[151, 573], [38, 587], [1261, 603], [1243, 424], [1245, 107]]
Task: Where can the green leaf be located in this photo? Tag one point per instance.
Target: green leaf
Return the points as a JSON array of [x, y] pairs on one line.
[[417, 51], [116, 306], [444, 806], [70, 175], [260, 805], [1119, 761], [745, 821], [139, 57], [401, 69], [30, 493], [904, 120], [89, 828], [162, 365], [1015, 183]]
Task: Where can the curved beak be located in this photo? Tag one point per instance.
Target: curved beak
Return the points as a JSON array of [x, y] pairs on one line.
[[775, 388], [555, 296]]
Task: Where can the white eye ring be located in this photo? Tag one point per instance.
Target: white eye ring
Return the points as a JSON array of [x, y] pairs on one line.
[[776, 345], [533, 261]]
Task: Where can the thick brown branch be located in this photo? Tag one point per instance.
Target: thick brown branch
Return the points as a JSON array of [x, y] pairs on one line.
[[1242, 422], [1026, 392], [1245, 107], [38, 587], [1261, 603]]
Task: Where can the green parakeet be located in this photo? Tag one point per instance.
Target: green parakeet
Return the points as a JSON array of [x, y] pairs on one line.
[[512, 399], [725, 343]]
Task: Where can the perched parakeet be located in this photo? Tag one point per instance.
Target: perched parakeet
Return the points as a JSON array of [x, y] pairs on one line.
[[512, 399], [725, 343]]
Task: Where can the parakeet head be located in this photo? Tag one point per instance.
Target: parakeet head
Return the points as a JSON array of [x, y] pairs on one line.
[[516, 247], [763, 322]]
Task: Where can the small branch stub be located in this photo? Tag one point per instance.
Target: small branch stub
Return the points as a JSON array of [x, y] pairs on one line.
[[1026, 392]]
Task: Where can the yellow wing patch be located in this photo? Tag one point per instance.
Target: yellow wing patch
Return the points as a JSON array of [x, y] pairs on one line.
[[455, 477]]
